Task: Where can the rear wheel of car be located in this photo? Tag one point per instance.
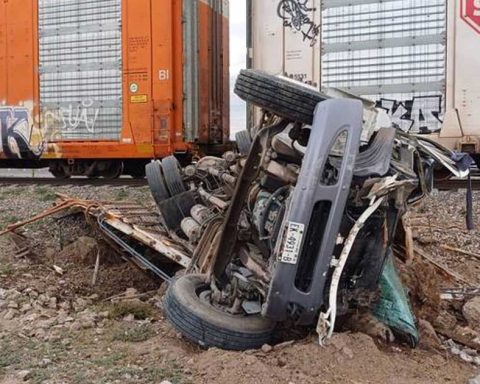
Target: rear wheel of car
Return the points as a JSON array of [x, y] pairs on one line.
[[172, 174], [196, 319], [156, 181], [280, 96]]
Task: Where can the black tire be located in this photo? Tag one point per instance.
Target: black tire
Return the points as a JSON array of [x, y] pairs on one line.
[[173, 177], [244, 142], [282, 97], [156, 182], [208, 326]]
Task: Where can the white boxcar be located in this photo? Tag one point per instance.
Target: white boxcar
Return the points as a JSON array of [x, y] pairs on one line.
[[418, 59]]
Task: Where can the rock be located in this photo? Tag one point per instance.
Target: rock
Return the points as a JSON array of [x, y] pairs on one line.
[[104, 315], [475, 380], [52, 303], [429, 338], [76, 326], [11, 314], [348, 352], [25, 308], [445, 321], [471, 311], [13, 294], [13, 305], [131, 292], [79, 304], [129, 318], [466, 357], [3, 305], [45, 363], [25, 375], [281, 362], [266, 348], [165, 382], [456, 351]]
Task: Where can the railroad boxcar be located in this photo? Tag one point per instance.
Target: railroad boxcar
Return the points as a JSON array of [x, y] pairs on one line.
[[100, 87], [417, 59]]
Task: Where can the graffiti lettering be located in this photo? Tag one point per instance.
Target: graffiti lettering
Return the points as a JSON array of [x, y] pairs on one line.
[[72, 118], [19, 138], [294, 14], [420, 114]]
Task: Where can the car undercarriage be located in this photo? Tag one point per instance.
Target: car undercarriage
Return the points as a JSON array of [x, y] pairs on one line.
[[296, 226]]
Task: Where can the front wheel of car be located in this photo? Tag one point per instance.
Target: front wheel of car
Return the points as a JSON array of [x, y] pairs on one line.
[[189, 311]]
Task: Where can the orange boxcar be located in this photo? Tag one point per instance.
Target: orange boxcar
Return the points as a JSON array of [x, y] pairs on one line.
[[100, 87]]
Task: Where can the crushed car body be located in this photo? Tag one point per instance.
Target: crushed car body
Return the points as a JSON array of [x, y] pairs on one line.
[[297, 226]]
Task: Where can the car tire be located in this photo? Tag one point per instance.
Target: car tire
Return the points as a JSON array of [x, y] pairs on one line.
[[208, 326], [156, 181], [282, 97], [173, 177]]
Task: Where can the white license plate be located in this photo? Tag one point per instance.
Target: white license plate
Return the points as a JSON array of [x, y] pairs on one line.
[[293, 242]]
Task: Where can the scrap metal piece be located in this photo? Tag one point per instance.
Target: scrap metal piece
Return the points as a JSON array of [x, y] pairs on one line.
[[327, 319]]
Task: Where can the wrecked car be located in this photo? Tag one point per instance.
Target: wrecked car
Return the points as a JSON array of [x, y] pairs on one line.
[[297, 226]]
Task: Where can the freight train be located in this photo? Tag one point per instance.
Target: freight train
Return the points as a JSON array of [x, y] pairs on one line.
[[100, 87], [416, 59]]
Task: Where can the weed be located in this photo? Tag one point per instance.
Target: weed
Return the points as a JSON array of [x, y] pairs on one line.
[[121, 195], [39, 376], [8, 356], [108, 361], [11, 219], [7, 269], [135, 334], [45, 194], [137, 308]]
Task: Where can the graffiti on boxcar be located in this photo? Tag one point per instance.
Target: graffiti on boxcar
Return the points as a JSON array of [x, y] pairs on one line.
[[19, 137], [79, 117], [295, 15], [423, 114]]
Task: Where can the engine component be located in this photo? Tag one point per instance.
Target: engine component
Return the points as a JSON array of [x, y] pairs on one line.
[[222, 175], [212, 199], [282, 172], [190, 171], [192, 229], [267, 213], [201, 214], [230, 157]]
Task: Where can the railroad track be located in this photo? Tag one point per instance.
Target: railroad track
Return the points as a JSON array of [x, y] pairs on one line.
[[72, 182], [445, 185]]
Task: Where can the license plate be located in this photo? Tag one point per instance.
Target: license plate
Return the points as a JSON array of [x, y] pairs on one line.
[[293, 242]]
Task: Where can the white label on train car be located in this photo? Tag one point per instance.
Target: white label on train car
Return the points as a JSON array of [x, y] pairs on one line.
[[293, 243]]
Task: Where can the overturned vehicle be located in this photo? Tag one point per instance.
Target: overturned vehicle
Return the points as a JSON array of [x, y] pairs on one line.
[[297, 226]]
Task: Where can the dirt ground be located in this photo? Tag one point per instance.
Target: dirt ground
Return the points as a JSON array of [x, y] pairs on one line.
[[59, 328]]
